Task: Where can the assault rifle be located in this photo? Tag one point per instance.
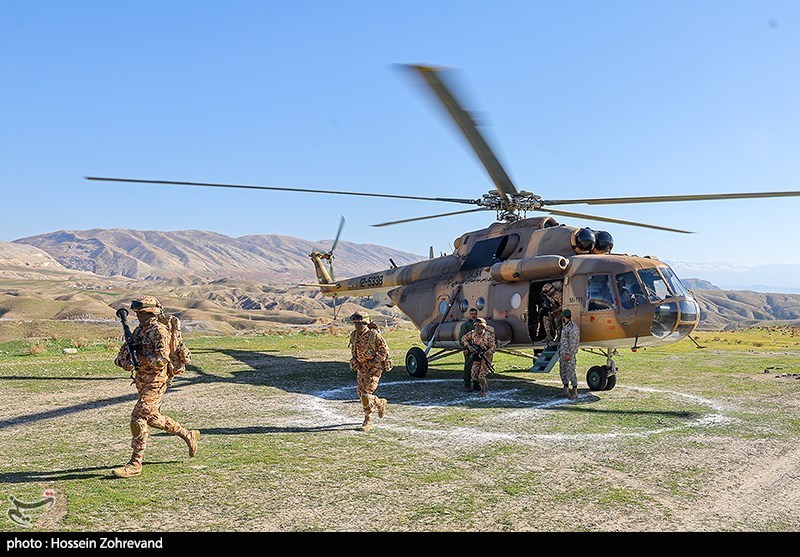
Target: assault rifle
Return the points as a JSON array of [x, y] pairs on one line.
[[480, 354], [122, 313]]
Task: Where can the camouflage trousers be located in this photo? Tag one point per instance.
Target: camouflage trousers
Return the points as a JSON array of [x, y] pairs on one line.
[[368, 377], [567, 371], [147, 414], [552, 327], [479, 370]]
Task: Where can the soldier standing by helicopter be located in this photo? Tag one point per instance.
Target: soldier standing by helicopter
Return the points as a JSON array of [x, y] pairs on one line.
[[151, 345], [370, 358], [567, 354]]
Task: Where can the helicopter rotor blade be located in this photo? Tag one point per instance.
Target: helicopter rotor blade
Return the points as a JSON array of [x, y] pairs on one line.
[[615, 221], [430, 217], [669, 198], [435, 80], [271, 188], [338, 233]]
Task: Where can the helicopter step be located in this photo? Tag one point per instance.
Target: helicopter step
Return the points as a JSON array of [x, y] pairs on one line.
[[546, 360]]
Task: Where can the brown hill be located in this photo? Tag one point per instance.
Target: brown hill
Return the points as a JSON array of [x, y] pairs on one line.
[[188, 254], [20, 261], [722, 309]]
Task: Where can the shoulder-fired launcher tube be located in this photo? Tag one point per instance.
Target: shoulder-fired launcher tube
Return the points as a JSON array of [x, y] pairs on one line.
[[529, 268], [399, 276]]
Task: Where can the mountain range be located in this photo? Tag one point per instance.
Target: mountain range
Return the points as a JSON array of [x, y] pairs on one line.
[[194, 254], [211, 278], [775, 277]]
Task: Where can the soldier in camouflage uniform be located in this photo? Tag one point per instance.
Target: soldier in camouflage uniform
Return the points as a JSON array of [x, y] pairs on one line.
[[151, 341], [482, 337], [552, 319], [567, 354], [369, 353]]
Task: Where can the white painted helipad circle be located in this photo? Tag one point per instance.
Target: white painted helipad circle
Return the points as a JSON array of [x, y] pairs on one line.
[[324, 400]]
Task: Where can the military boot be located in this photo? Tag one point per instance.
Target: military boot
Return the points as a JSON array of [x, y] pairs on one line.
[[573, 393], [367, 425], [382, 403], [192, 438], [133, 468], [564, 393]]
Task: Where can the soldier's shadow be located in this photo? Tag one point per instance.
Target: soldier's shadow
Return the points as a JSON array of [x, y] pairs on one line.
[[334, 380]]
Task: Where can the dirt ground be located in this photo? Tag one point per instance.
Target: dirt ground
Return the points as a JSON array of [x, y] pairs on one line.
[[687, 441]]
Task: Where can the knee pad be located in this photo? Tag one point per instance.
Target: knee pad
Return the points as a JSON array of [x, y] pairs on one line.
[[365, 402], [139, 428]]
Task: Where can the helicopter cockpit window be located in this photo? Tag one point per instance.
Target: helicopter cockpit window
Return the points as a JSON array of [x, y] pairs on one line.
[[654, 284], [629, 290], [599, 295], [674, 282], [483, 253]]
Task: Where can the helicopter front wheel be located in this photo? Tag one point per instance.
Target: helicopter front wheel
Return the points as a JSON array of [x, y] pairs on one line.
[[416, 362], [597, 378]]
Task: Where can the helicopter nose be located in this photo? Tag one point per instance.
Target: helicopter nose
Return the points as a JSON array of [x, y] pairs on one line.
[[675, 318]]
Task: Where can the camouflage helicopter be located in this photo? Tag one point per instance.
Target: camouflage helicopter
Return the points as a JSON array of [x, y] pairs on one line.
[[619, 301]]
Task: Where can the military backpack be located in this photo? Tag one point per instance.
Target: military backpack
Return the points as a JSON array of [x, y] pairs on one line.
[[179, 355]]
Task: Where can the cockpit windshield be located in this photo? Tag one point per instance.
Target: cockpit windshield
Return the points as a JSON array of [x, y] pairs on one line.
[[630, 292], [654, 285], [674, 282]]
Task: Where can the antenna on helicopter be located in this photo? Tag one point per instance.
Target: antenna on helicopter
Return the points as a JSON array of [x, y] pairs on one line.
[[392, 263], [430, 253]]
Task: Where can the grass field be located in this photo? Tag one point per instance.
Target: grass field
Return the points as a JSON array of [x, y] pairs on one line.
[[689, 440]]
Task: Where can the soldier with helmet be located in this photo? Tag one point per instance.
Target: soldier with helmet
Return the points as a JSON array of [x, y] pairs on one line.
[[151, 342], [370, 358], [481, 344], [552, 314]]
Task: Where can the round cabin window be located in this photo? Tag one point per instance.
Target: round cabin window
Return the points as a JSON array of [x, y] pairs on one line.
[[516, 300], [463, 306], [480, 303], [442, 307]]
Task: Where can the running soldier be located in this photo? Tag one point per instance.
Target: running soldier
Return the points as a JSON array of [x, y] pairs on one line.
[[151, 341], [369, 359]]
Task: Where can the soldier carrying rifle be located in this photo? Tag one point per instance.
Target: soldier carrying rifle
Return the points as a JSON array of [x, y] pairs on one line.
[[481, 343]]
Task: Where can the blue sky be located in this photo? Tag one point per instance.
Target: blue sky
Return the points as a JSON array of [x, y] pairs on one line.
[[583, 99]]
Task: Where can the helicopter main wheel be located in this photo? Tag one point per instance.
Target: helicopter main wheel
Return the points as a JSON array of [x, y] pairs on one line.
[[416, 362], [612, 382], [597, 378]]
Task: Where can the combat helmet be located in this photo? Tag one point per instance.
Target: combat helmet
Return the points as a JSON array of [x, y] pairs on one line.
[[360, 316], [146, 304]]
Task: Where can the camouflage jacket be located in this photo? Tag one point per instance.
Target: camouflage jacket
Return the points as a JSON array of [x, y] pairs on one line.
[[570, 339], [368, 346], [485, 341], [151, 343]]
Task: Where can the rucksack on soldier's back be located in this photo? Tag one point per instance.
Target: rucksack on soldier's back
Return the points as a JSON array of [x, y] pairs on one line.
[[179, 355]]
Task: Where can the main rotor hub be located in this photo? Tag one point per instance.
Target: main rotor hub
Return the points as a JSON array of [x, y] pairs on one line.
[[514, 207]]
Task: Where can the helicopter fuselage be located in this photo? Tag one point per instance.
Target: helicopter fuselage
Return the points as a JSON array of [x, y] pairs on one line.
[[617, 300]]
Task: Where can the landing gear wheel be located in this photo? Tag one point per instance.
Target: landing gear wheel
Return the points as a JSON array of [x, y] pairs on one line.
[[416, 362], [612, 382], [597, 378]]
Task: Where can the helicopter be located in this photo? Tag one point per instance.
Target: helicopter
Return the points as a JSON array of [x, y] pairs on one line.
[[618, 301]]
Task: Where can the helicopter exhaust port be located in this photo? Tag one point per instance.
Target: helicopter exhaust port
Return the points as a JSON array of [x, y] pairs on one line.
[[529, 268]]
